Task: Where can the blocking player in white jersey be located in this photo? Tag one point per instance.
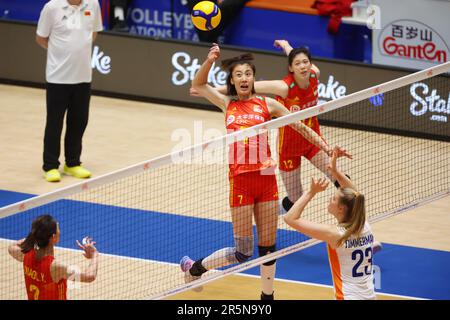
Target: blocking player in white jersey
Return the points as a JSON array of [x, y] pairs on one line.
[[349, 243]]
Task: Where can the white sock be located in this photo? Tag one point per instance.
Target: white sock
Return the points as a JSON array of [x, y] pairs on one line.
[[267, 277], [220, 258], [118, 13]]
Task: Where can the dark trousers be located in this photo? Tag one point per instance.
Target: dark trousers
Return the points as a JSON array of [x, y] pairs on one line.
[[229, 9], [73, 98]]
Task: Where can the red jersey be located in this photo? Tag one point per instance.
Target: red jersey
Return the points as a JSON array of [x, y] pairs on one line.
[[251, 154], [290, 142], [38, 280]]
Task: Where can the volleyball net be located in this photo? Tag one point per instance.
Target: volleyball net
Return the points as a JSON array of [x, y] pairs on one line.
[[146, 217]]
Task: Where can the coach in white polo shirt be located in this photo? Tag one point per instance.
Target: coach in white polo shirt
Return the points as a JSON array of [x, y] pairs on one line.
[[67, 29]]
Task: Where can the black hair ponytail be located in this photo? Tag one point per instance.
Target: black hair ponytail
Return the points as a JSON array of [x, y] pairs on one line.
[[42, 229]]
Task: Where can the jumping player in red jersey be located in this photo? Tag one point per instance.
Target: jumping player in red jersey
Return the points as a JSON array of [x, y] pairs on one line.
[[46, 278], [297, 91], [253, 186]]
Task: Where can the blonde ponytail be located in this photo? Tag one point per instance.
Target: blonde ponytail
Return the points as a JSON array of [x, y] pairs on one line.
[[355, 215]]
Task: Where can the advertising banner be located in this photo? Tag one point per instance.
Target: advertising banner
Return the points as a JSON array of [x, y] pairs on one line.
[[162, 70], [414, 33], [162, 19]]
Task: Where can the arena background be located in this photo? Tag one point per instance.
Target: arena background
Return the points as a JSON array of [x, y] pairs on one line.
[[156, 85]]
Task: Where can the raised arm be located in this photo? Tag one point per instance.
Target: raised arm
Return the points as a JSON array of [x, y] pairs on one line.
[[15, 251], [287, 48], [316, 70], [87, 274], [283, 45], [221, 89], [200, 82], [275, 87], [276, 109], [311, 229], [344, 182]]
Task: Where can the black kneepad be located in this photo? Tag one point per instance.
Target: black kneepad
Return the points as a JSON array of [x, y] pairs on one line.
[[240, 257], [266, 250], [287, 204]]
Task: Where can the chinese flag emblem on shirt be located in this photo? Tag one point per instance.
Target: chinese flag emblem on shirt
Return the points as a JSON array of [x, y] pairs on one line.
[[87, 13]]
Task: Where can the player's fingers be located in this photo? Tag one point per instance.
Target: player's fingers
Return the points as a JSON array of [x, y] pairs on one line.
[[333, 156], [317, 182], [79, 244]]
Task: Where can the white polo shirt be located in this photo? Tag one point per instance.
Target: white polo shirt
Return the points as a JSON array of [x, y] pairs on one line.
[[69, 29]]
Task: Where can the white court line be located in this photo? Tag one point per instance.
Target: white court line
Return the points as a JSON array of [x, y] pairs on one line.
[[221, 141], [291, 249], [257, 261], [108, 255], [329, 286], [148, 261], [267, 257]]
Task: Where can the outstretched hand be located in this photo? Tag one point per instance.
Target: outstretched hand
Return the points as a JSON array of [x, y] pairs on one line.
[[340, 152], [337, 153], [88, 246], [214, 53], [281, 44], [319, 185]]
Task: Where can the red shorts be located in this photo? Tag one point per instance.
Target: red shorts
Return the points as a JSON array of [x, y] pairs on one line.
[[252, 187], [290, 163]]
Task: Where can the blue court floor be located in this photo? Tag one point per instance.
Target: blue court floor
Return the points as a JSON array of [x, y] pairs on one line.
[[404, 270]]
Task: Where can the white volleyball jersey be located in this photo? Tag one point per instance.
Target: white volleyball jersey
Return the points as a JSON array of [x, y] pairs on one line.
[[351, 266]]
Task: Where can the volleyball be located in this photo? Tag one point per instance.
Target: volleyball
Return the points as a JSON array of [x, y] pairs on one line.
[[206, 15]]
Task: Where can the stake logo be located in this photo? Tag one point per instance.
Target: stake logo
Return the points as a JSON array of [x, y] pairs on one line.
[[426, 100], [186, 68], [100, 61]]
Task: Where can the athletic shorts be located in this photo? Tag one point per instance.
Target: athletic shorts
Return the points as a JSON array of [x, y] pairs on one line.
[[290, 163], [252, 187]]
